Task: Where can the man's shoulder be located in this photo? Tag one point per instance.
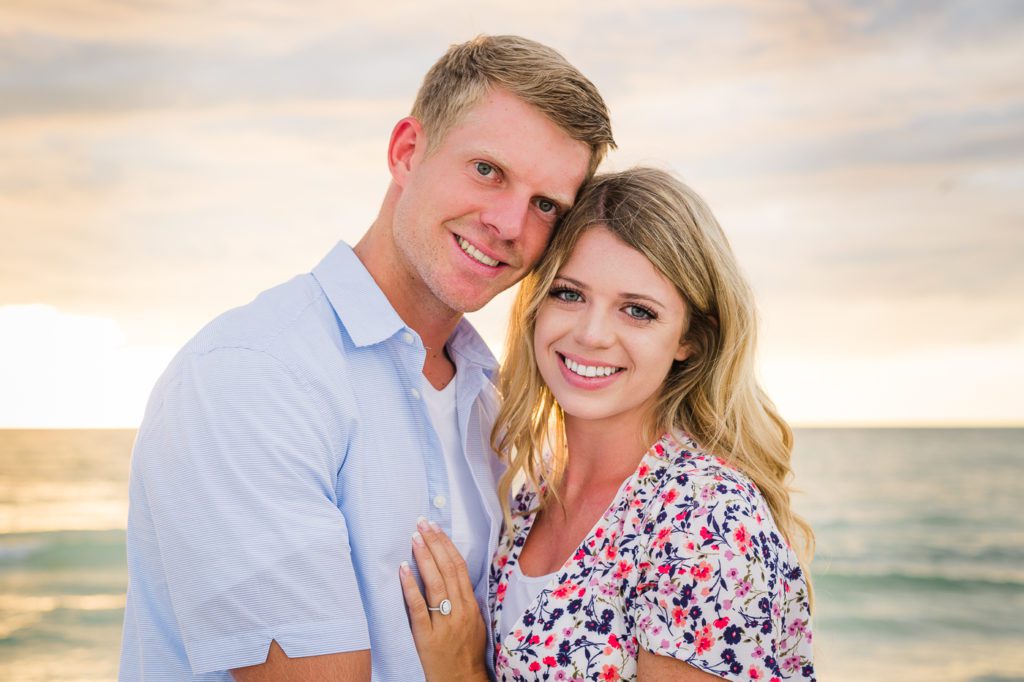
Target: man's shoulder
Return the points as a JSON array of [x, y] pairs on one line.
[[291, 326], [260, 324]]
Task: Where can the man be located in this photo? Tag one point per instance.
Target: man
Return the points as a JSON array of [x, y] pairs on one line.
[[289, 448]]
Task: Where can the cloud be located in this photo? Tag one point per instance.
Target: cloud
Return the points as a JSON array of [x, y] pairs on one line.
[[926, 387], [161, 162], [146, 212], [61, 370]]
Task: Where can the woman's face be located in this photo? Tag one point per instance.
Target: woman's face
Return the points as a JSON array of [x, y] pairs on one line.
[[609, 330]]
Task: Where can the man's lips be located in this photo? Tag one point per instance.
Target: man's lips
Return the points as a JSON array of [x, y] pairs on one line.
[[478, 254]]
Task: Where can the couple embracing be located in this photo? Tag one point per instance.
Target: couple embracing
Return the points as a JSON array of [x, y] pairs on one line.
[[336, 481]]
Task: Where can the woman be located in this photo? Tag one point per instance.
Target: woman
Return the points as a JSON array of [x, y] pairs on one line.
[[622, 559]]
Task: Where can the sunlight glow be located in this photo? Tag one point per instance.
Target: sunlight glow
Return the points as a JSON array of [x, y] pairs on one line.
[[61, 370]]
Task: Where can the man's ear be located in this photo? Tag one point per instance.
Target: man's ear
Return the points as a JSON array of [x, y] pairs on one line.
[[408, 144]]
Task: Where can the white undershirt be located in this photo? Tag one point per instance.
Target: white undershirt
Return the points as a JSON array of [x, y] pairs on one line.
[[519, 594], [470, 524]]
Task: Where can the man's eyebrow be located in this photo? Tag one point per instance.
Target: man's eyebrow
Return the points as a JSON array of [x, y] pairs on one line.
[[562, 204], [624, 295]]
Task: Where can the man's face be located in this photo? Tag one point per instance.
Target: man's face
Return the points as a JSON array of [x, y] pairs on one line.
[[476, 214]]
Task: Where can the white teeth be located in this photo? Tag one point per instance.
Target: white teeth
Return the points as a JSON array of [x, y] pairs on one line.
[[588, 370], [476, 253]]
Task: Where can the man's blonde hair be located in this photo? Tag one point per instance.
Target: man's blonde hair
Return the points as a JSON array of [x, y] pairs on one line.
[[534, 73]]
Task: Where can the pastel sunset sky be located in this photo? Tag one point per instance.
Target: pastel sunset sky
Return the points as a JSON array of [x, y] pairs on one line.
[[163, 161]]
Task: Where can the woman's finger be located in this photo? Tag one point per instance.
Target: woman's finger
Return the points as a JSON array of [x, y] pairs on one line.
[[419, 617], [453, 565], [433, 581]]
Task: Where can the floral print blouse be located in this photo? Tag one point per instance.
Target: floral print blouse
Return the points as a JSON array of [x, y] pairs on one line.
[[686, 562]]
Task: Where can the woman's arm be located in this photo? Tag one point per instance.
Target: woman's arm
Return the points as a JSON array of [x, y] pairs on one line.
[[653, 668], [452, 647]]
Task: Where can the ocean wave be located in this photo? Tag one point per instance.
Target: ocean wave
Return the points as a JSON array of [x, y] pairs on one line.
[[19, 550], [932, 578], [62, 549]]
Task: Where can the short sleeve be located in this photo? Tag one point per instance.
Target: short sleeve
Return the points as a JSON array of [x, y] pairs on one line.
[[238, 474], [715, 578]]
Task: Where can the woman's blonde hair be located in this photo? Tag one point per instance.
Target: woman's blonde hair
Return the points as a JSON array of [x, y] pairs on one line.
[[535, 73], [713, 395]]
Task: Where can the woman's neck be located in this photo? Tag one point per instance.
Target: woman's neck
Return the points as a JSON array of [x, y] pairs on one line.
[[601, 454]]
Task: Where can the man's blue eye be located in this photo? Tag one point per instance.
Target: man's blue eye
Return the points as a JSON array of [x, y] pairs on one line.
[[546, 205], [484, 168]]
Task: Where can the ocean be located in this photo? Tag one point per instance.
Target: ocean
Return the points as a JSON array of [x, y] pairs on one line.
[[919, 573]]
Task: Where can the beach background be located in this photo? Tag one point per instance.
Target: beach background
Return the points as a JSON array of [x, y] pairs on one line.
[[162, 162], [919, 574]]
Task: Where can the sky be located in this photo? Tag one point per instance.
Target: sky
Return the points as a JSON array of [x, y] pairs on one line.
[[162, 162]]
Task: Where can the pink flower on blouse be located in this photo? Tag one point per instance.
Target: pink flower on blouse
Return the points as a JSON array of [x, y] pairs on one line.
[[663, 535], [704, 639], [563, 590], [701, 571], [742, 538]]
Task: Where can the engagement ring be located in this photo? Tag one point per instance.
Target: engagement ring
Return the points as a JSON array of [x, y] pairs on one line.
[[445, 607]]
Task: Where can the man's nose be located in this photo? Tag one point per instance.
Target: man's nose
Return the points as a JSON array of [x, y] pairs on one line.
[[507, 214]]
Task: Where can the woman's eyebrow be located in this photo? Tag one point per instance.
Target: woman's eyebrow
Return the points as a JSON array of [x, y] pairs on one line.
[[624, 295], [575, 282]]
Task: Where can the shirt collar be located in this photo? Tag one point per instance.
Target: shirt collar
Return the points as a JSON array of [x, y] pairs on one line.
[[368, 316], [362, 307], [466, 343]]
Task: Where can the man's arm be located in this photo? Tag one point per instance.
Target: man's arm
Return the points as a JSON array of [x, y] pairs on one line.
[[239, 473], [353, 666]]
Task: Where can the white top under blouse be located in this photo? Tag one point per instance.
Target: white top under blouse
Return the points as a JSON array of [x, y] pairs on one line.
[[522, 590], [469, 518]]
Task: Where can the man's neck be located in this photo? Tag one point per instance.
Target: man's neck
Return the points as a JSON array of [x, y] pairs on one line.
[[428, 317]]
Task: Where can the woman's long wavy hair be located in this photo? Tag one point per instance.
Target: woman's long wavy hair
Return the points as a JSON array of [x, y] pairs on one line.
[[713, 395]]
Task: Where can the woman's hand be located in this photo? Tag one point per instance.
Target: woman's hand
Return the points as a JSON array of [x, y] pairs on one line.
[[451, 647]]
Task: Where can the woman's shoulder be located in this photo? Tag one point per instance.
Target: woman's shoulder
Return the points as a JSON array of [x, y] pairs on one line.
[[707, 490], [679, 461]]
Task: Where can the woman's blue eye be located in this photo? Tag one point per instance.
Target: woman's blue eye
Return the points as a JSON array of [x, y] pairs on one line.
[[484, 168], [567, 295], [546, 205], [638, 312]]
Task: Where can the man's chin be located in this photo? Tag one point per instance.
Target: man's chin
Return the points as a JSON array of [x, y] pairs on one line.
[[463, 303]]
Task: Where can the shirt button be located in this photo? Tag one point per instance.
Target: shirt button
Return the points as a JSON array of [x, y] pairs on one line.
[[414, 393], [408, 337], [440, 501]]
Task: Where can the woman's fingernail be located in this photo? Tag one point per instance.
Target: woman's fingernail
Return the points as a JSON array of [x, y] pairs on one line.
[[434, 526], [404, 567], [417, 539], [422, 524]]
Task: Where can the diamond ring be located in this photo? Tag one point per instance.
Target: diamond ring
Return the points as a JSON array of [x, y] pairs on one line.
[[445, 607]]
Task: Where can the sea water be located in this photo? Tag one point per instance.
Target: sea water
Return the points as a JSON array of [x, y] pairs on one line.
[[919, 573]]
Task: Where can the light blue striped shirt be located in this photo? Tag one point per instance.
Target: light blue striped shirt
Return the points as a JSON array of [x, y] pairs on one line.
[[277, 477]]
